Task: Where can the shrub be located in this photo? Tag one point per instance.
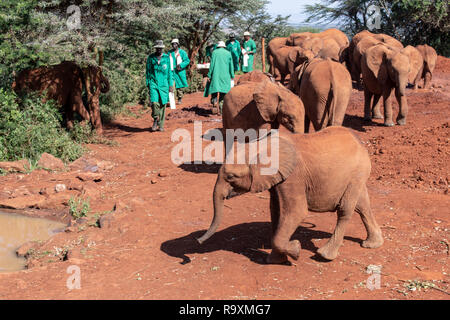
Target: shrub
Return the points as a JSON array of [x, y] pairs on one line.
[[30, 127]]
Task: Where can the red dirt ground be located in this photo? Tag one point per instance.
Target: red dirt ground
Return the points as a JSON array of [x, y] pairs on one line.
[[149, 249]]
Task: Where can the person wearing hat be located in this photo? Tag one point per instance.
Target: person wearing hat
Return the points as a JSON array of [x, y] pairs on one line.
[[179, 62], [235, 49], [211, 46], [221, 72], [249, 49], [159, 80]]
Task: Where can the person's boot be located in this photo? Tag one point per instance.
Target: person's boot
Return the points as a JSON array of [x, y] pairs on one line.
[[155, 125]]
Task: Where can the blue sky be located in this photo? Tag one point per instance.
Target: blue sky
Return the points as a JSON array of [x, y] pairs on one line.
[[290, 7]]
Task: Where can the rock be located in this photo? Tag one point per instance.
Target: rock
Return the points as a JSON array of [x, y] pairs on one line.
[[24, 249], [105, 165], [48, 161], [107, 220], [15, 166], [22, 202], [153, 181], [60, 187], [90, 176], [163, 173]]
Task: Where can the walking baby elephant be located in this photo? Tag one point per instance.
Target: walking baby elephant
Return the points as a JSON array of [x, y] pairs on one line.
[[321, 172]]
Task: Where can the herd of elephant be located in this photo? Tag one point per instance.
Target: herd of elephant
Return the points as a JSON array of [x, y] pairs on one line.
[[327, 170], [380, 61]]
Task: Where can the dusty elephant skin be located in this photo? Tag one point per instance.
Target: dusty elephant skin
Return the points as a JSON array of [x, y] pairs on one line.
[[324, 86], [416, 65], [286, 58], [384, 72], [429, 62], [306, 180], [64, 83], [259, 105], [255, 76]]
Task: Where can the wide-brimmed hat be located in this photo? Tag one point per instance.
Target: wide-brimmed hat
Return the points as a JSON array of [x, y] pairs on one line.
[[175, 41], [221, 44], [246, 33], [159, 44]]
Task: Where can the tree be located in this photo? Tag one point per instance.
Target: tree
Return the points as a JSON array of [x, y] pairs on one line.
[[411, 21]]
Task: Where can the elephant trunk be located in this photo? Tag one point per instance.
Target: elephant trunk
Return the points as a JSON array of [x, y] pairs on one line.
[[221, 191]]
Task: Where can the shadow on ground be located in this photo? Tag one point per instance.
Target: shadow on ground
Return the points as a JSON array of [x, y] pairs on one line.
[[246, 239]]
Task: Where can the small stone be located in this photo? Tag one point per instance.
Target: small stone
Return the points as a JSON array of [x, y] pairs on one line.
[[14, 166], [60, 187], [90, 176], [48, 161], [153, 181], [162, 173]]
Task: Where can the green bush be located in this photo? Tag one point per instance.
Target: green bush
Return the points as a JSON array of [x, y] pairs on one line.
[[30, 127]]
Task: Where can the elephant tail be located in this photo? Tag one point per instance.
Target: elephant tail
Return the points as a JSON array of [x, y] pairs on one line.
[[332, 95]]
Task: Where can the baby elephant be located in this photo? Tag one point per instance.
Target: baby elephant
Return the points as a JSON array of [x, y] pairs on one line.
[[321, 172]]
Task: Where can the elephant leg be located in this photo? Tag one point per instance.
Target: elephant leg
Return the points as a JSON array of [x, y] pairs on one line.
[[307, 123], [290, 217], [345, 211], [367, 99], [78, 106], [374, 235], [387, 99], [376, 106], [427, 80], [283, 77], [403, 108], [69, 117]]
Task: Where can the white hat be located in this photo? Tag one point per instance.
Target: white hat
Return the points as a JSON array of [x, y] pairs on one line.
[[159, 44], [221, 44], [246, 33], [175, 41]]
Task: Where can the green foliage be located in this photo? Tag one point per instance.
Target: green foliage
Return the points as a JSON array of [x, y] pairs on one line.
[[30, 127], [411, 21], [79, 207]]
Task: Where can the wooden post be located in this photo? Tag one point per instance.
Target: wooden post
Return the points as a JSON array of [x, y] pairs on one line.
[[263, 55]]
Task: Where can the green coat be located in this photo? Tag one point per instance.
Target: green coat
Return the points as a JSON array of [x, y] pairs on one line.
[[235, 50], [250, 46], [221, 71], [180, 76], [158, 78]]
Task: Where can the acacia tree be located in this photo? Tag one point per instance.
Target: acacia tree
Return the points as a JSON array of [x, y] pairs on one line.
[[411, 21]]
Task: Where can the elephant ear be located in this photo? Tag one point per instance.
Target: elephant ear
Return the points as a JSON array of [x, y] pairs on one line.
[[287, 161], [293, 54], [376, 61], [267, 100]]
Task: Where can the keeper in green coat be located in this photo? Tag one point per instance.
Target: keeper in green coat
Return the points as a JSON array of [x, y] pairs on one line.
[[159, 80], [235, 49], [250, 47], [179, 62], [221, 72]]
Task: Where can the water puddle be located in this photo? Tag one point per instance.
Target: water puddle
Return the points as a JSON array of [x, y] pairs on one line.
[[17, 229]]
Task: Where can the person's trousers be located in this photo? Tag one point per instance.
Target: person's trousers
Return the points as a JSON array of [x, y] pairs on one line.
[[214, 99], [159, 113], [179, 93]]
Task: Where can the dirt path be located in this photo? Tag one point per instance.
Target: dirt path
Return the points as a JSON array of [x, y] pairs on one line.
[[148, 249]]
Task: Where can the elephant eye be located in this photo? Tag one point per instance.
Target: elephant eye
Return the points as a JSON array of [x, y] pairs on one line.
[[230, 176]]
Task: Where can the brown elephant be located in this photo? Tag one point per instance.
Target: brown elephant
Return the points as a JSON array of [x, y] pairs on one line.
[[64, 83], [416, 65], [324, 86], [385, 71], [321, 172], [255, 76], [429, 62], [286, 58], [262, 105], [349, 56], [297, 39], [272, 47]]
